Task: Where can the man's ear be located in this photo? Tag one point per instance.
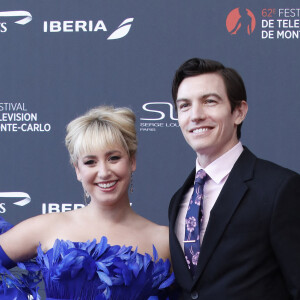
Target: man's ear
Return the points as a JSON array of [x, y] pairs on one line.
[[241, 112]]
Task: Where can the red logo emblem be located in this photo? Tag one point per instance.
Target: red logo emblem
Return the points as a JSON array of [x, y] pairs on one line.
[[240, 21]]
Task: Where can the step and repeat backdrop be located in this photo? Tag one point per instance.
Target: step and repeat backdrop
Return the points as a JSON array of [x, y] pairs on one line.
[[60, 58]]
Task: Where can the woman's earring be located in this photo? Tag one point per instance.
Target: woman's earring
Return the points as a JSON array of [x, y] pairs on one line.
[[131, 183], [86, 197]]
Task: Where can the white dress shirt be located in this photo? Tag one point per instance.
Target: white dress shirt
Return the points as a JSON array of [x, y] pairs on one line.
[[218, 172]]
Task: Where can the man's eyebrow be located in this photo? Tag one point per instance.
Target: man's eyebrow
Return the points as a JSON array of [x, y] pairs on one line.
[[211, 94], [181, 99], [205, 96]]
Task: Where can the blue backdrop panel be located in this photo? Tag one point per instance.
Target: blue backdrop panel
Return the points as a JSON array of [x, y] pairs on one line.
[[60, 58]]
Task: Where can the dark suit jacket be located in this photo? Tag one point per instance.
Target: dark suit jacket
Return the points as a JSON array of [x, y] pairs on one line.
[[251, 247]]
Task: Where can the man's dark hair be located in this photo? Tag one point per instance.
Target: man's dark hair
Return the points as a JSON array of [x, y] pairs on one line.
[[234, 84]]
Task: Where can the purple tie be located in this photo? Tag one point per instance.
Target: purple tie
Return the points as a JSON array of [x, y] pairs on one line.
[[193, 221]]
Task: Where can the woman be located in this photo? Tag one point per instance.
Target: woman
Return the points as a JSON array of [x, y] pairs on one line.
[[79, 252]]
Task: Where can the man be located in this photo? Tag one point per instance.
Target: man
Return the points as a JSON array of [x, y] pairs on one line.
[[248, 208]]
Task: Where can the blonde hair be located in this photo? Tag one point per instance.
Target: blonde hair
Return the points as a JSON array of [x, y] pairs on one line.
[[101, 127]]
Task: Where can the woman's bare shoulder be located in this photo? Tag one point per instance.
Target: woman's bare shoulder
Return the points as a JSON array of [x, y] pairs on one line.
[[21, 241], [158, 235]]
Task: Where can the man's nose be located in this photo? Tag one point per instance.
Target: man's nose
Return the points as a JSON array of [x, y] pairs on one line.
[[197, 112]]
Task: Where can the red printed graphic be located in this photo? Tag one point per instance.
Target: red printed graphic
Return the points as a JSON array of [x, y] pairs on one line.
[[240, 21]]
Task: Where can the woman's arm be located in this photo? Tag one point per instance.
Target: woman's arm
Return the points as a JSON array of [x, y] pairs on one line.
[[20, 242]]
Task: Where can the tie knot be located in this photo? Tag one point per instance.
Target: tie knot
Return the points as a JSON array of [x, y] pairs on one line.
[[201, 176]]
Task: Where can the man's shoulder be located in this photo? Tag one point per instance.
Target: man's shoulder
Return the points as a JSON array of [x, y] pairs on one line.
[[265, 166]]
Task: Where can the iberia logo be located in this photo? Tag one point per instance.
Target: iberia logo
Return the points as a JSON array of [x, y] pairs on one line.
[[240, 21]]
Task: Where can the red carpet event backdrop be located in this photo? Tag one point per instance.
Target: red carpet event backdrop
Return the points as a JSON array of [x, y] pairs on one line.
[[60, 58]]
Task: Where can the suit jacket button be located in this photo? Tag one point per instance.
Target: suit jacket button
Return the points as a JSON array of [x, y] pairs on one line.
[[194, 295]]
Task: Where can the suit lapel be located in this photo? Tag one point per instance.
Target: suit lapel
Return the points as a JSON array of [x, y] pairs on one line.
[[225, 206], [180, 267]]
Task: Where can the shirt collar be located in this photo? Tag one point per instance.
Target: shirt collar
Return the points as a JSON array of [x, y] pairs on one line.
[[221, 167]]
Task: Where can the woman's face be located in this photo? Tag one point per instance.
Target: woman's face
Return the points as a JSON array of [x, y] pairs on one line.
[[105, 174]]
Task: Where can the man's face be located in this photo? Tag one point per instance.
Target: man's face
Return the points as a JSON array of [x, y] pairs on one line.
[[205, 117]]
